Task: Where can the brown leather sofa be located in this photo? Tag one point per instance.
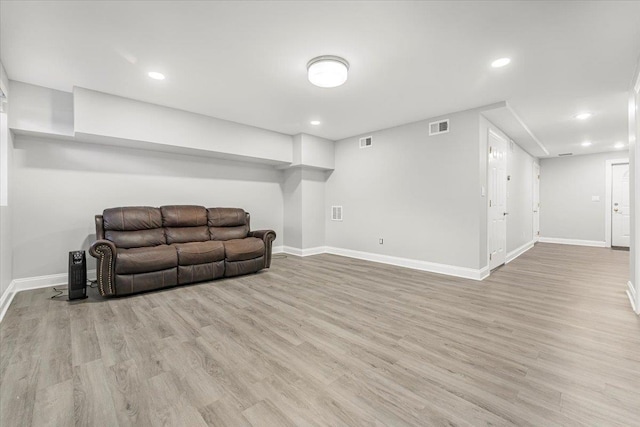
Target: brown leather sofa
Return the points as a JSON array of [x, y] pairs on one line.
[[144, 248]]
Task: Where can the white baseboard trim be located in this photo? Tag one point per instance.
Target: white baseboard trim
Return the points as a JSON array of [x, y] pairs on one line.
[[517, 252], [277, 249], [450, 270], [6, 298], [631, 293], [29, 283], [576, 242], [304, 252]]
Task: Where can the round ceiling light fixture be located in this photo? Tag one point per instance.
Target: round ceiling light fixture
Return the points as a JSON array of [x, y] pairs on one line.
[[619, 145], [583, 116], [586, 143], [315, 122], [156, 75], [500, 62], [327, 71]]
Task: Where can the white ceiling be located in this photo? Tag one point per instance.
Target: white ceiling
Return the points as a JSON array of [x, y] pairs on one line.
[[246, 61]]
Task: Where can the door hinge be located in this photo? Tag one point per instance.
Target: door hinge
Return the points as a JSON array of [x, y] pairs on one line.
[[490, 149], [489, 203], [490, 257]]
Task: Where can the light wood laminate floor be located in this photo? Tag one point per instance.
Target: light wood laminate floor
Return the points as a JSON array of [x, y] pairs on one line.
[[547, 340]]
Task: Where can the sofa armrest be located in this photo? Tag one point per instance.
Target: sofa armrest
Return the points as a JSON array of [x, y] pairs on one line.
[[268, 236], [105, 251]]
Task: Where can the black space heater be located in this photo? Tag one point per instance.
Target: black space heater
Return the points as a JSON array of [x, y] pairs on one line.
[[77, 288]]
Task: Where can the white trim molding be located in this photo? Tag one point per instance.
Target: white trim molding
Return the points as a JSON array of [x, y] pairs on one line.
[[450, 270], [304, 252], [575, 242], [29, 283], [631, 293], [519, 251], [6, 298], [607, 197]]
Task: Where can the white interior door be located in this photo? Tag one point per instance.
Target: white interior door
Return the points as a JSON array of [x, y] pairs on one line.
[[536, 201], [620, 211], [497, 195]]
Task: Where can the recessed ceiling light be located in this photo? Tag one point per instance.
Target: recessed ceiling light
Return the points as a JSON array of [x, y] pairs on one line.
[[586, 144], [619, 145], [315, 122], [500, 62], [156, 75], [583, 116], [327, 71]]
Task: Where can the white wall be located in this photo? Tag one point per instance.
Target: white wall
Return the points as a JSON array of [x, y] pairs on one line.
[[567, 185], [292, 195], [112, 116], [313, 151], [634, 164], [519, 198], [40, 109], [59, 186], [304, 208], [313, 208], [6, 154], [421, 194]]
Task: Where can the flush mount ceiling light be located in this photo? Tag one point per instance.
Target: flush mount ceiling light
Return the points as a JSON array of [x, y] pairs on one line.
[[583, 116], [315, 122], [500, 62], [586, 143], [619, 145], [156, 75], [327, 71]]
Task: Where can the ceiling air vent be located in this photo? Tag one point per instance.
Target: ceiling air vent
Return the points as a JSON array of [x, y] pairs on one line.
[[436, 128], [565, 154], [366, 142], [336, 213]]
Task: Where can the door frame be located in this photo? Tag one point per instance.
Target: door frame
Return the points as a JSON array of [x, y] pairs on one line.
[[497, 134], [536, 183], [607, 198]]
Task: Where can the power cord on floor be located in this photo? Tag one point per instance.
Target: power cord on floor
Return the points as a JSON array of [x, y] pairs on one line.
[[60, 292]]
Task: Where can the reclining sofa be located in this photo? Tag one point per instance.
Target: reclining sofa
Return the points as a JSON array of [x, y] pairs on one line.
[[144, 248]]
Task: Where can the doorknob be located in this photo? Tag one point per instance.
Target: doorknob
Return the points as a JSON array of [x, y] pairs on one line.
[[615, 209], [505, 213]]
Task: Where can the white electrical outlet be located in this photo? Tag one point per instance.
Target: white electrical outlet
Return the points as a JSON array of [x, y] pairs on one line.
[[381, 241]]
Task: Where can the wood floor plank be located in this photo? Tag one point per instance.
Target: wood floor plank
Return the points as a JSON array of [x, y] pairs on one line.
[[51, 405], [127, 391], [547, 340], [93, 403]]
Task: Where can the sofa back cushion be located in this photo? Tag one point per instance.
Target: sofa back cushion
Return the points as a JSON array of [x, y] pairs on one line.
[[185, 223], [227, 223], [133, 227]]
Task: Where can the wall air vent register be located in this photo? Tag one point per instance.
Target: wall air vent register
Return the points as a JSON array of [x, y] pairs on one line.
[[436, 128], [336, 213], [366, 142]]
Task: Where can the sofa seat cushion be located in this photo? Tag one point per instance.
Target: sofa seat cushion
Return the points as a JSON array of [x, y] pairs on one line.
[[243, 249], [199, 252], [144, 260]]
